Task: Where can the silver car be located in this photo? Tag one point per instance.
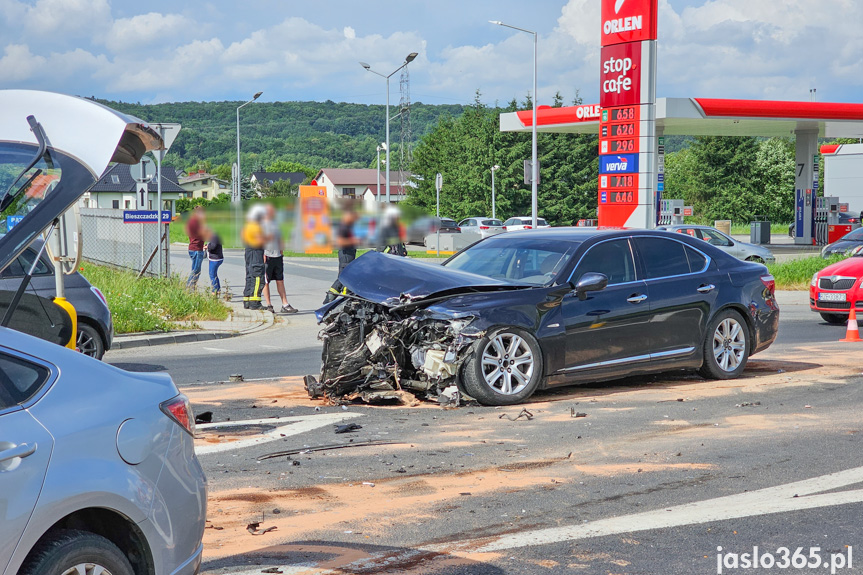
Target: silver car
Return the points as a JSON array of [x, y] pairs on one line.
[[98, 473], [483, 227], [738, 249]]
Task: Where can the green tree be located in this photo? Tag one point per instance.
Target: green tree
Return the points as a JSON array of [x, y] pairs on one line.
[[284, 166]]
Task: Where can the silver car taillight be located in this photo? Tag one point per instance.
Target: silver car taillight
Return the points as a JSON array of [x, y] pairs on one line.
[[180, 411]]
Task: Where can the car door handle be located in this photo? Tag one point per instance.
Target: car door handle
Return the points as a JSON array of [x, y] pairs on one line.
[[22, 450], [636, 298], [706, 288]]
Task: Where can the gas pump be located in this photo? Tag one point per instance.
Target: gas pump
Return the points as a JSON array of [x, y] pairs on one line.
[[826, 219], [671, 212]]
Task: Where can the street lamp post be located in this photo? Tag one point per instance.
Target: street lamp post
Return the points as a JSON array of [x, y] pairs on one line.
[[239, 177], [534, 171], [493, 170], [382, 146], [410, 58]]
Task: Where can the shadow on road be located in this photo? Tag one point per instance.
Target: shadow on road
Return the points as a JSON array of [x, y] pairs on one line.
[[356, 559]]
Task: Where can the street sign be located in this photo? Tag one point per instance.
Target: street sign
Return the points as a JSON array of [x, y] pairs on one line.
[[145, 216], [142, 172], [438, 181], [528, 172], [12, 221], [169, 133]]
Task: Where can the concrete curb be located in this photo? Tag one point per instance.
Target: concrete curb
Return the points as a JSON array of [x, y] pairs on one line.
[[130, 341]]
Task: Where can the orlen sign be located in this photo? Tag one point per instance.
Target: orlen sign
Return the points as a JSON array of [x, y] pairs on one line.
[[628, 21], [620, 75]]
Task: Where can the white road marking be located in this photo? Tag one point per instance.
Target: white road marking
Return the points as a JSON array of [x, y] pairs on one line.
[[214, 349], [789, 497], [288, 426]]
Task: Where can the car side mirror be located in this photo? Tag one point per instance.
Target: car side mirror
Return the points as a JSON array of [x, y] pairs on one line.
[[591, 281]]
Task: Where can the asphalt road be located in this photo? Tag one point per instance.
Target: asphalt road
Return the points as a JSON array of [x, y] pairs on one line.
[[660, 473]]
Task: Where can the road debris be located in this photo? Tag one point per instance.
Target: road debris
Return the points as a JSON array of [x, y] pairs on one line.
[[523, 413], [348, 428], [748, 404], [272, 570], [303, 450], [574, 413], [204, 417], [253, 528], [237, 377]]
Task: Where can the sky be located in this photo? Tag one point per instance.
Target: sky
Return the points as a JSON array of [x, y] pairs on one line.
[[168, 51]]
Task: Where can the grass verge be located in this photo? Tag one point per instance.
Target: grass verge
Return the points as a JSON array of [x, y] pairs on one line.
[[151, 304], [797, 274]]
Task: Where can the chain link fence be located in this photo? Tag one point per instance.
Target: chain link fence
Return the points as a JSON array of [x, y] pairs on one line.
[[107, 240]]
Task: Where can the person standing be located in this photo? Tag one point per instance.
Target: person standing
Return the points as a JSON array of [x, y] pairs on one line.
[[215, 257], [392, 234], [195, 230], [275, 262], [347, 243], [254, 240]]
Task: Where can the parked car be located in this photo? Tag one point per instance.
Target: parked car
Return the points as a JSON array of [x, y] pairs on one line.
[[849, 244], [98, 473], [524, 223], [845, 218], [483, 227], [543, 308], [421, 227], [95, 327], [836, 288], [736, 248]]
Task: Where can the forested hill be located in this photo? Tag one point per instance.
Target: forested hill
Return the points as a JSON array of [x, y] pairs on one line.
[[315, 134]]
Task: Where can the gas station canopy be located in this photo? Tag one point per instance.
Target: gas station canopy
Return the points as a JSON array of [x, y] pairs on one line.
[[708, 117]]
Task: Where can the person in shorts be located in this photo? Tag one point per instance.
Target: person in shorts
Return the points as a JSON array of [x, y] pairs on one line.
[[275, 262]]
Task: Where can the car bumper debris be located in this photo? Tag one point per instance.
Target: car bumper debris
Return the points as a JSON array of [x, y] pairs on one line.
[[379, 354]]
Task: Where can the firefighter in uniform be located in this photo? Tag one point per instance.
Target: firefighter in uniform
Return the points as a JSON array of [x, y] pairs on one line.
[[254, 240]]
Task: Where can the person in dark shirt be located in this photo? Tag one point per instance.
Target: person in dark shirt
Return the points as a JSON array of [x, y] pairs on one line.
[[347, 243], [215, 256], [195, 230]]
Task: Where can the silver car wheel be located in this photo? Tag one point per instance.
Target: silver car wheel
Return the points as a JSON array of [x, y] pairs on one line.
[[87, 569], [729, 344], [507, 363]]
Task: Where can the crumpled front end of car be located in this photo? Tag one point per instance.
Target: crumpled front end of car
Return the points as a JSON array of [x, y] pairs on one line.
[[376, 353]]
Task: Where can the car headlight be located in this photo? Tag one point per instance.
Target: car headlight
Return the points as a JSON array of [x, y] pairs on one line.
[[814, 279], [857, 250]]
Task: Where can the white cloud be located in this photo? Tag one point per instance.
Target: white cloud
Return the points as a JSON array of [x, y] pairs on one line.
[[19, 63], [146, 30], [350, 33]]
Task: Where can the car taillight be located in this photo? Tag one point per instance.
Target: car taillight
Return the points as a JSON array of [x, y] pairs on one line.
[[180, 411], [769, 283], [853, 220], [504, 228], [99, 294], [458, 229], [483, 227], [528, 227]]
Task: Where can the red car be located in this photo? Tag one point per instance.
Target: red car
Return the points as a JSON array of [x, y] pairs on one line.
[[836, 288]]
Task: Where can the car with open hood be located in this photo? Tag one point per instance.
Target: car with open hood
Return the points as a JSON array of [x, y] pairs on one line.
[[537, 309], [98, 472]]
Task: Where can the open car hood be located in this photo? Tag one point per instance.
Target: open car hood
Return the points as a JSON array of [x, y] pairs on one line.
[[394, 280], [82, 138]]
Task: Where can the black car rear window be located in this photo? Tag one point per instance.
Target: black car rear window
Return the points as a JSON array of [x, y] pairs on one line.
[[492, 223], [662, 257], [20, 380], [854, 235]]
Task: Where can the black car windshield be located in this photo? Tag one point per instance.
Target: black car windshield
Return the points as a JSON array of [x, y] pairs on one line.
[[854, 235], [532, 261]]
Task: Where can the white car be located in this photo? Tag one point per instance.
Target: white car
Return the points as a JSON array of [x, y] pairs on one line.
[[483, 227], [524, 223], [736, 248]]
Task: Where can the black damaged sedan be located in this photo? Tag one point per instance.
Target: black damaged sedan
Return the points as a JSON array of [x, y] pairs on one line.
[[531, 310]]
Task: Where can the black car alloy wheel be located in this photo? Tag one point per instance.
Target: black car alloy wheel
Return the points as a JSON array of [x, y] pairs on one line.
[[726, 346], [506, 367], [89, 341]]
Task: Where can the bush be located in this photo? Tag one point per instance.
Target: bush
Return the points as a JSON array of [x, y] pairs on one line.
[[151, 304], [797, 274]]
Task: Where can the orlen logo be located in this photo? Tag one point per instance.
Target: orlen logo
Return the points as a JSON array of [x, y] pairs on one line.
[[628, 21], [588, 112], [620, 83]]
